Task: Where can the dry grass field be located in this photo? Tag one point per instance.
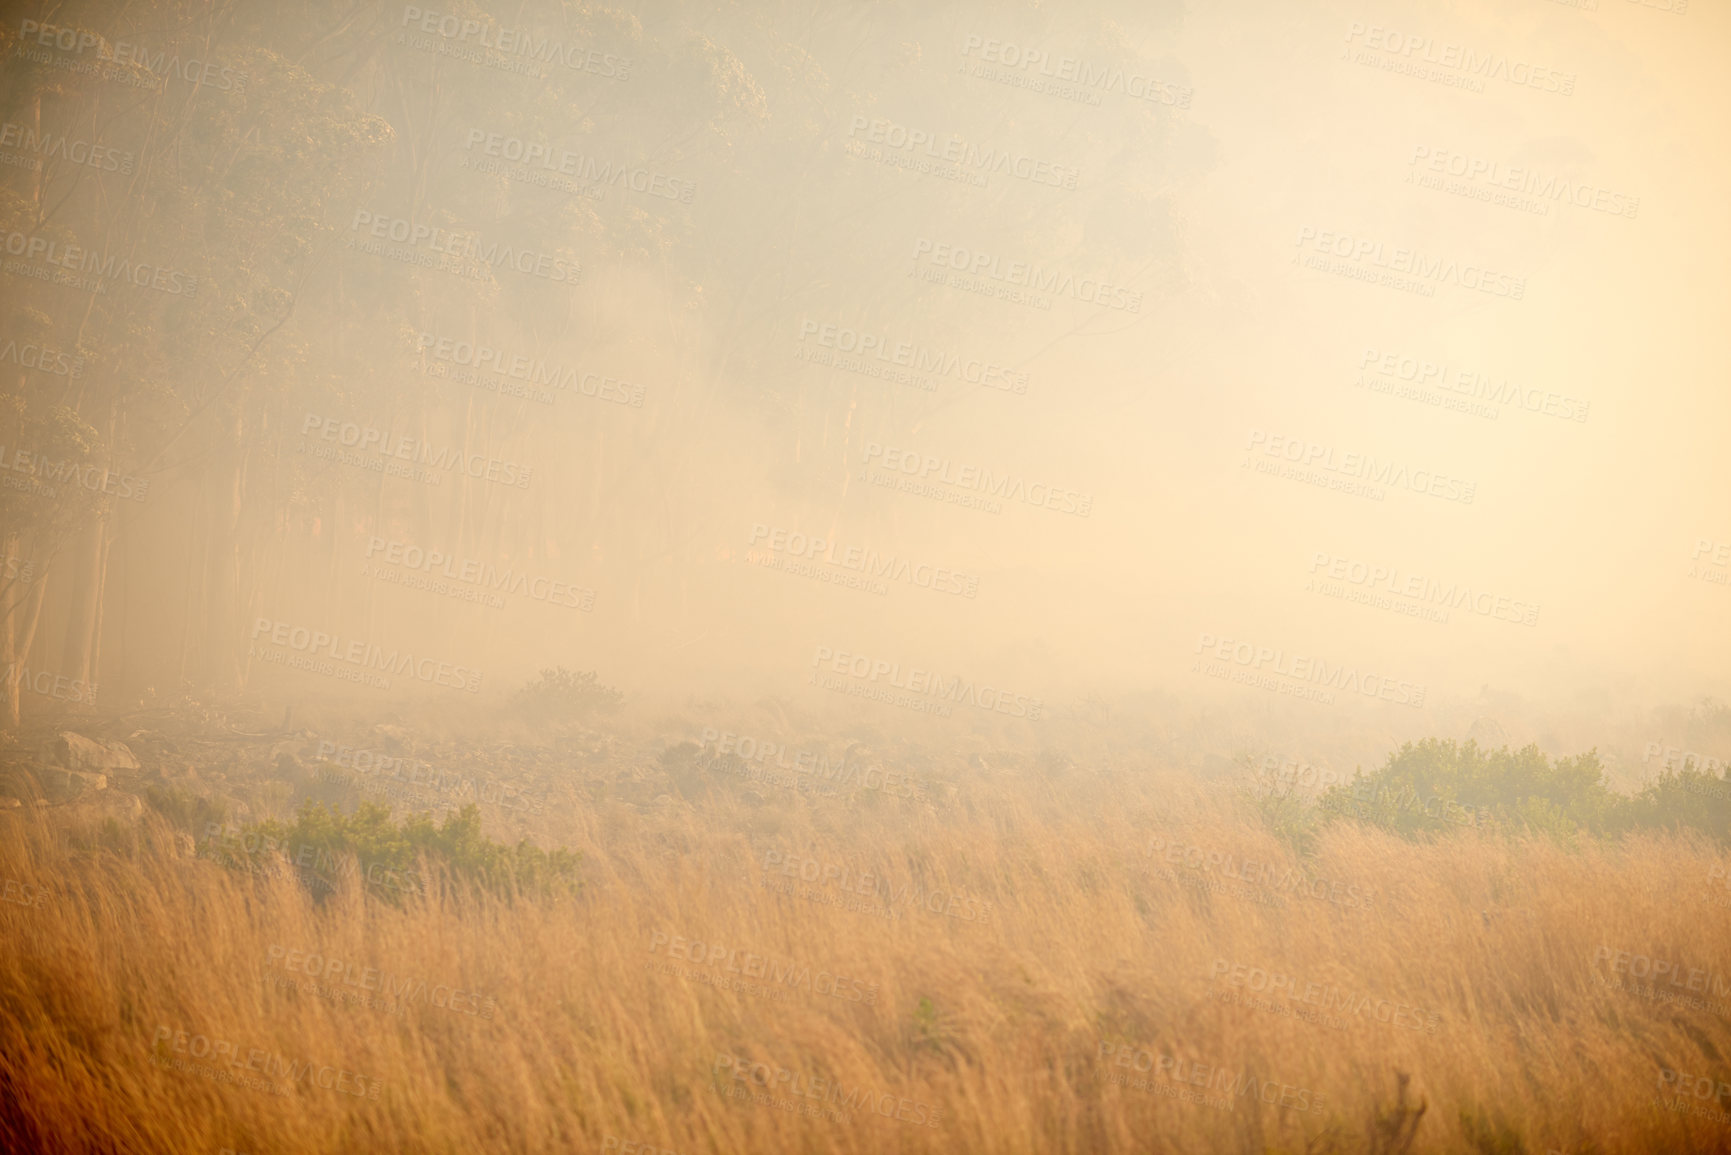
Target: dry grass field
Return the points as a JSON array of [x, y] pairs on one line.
[[1080, 961]]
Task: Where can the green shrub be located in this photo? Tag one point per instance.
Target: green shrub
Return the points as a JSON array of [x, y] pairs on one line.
[[1682, 800], [1434, 785], [191, 813], [390, 854], [1282, 810], [562, 695]]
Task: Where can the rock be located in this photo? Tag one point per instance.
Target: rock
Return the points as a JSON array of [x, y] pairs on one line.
[[116, 804], [7, 802], [76, 752], [73, 783]]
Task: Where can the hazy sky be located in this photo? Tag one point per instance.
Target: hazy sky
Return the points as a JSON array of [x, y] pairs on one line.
[[1362, 355], [1574, 341]]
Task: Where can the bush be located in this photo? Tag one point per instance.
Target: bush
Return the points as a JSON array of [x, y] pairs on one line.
[[1282, 810], [190, 813], [1436, 785], [1682, 799], [563, 695], [386, 850]]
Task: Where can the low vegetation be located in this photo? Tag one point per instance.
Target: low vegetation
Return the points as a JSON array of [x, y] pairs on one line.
[[1130, 963]]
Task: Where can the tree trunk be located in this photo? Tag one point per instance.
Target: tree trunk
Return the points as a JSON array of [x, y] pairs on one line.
[[19, 646], [84, 584]]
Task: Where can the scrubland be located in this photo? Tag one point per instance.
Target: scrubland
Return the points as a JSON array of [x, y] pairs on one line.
[[1057, 955]]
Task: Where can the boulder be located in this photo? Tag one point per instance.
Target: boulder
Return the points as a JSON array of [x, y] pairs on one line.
[[64, 783], [76, 752], [116, 804]]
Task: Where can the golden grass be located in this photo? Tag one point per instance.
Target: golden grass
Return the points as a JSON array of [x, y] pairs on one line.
[[996, 1025]]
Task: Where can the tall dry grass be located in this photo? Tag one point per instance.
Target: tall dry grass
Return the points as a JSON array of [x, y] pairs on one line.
[[996, 1024]]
